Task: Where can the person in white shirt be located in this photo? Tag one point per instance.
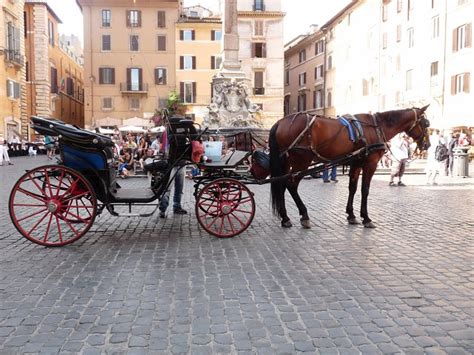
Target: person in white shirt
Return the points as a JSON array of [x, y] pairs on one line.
[[4, 152], [399, 147], [433, 167], [155, 145]]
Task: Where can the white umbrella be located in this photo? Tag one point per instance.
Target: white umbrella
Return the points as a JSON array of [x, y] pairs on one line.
[[157, 129], [133, 129], [108, 121], [106, 130], [136, 121]]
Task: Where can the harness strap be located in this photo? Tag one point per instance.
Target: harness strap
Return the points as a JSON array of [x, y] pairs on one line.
[[378, 130], [302, 133]]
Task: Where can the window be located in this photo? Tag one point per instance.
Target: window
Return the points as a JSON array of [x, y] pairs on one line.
[[302, 56], [187, 62], [51, 33], [410, 8], [317, 99], [287, 77], [319, 47], [134, 79], [329, 62], [302, 102], [302, 79], [187, 35], [258, 28], [435, 27], [460, 83], [134, 18], [409, 78], [216, 35], [434, 68], [161, 19], [258, 83], [319, 72], [106, 18], [411, 37], [161, 42], [286, 105], [13, 52], [13, 89], [107, 103], [106, 76], [259, 50], [399, 5], [134, 43], [134, 103], [193, 14], [54, 80], [329, 101], [160, 76], [462, 37], [399, 33], [70, 86], [433, 4], [106, 42], [216, 61], [258, 5], [384, 40], [398, 63], [365, 87], [384, 12], [188, 92]]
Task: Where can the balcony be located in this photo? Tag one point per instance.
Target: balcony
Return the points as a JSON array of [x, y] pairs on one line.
[[134, 88], [259, 91], [14, 57]]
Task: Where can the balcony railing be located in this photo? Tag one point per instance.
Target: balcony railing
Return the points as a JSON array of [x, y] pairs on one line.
[[14, 57], [134, 88], [259, 91]]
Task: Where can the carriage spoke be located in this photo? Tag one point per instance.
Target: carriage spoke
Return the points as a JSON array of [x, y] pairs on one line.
[[33, 179], [37, 223], [76, 196], [71, 227], [76, 216], [222, 225], [60, 183], [231, 224], [238, 219], [31, 215], [31, 194], [242, 211], [47, 228], [48, 182], [59, 229], [26, 205]]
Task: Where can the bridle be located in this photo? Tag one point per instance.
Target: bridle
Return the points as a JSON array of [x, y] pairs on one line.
[[422, 123]]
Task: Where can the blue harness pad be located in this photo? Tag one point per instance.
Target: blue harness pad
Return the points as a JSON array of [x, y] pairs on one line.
[[353, 135]]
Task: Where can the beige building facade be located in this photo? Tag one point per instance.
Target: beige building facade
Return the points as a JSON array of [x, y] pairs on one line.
[[54, 75], [260, 29], [129, 55], [13, 119], [198, 58]]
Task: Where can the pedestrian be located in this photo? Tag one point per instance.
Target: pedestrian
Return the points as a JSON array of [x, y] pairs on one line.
[[177, 174], [399, 147], [333, 174], [50, 146], [4, 152], [453, 143], [433, 166]]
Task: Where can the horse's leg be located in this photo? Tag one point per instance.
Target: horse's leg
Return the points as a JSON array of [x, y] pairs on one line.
[[354, 173], [293, 189], [285, 220], [368, 173]]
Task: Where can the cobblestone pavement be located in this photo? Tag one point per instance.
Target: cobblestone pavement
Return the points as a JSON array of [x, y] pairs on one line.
[[150, 285]]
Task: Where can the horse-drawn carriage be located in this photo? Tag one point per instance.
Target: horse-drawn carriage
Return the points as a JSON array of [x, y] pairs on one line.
[[54, 205]]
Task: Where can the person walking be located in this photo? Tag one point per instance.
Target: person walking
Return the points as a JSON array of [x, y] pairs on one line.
[[50, 146], [399, 147], [4, 152], [432, 165], [453, 143], [333, 174]]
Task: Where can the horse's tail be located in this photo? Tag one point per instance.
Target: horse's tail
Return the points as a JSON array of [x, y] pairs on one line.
[[276, 169]]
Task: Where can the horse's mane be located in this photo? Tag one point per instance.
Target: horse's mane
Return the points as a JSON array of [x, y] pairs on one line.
[[392, 118]]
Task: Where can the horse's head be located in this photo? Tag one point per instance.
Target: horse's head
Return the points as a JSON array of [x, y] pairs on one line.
[[419, 128]]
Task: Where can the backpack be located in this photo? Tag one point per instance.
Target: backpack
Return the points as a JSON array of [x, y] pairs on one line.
[[441, 152]]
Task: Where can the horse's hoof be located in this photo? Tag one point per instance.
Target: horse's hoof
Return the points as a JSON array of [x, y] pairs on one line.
[[286, 224], [353, 220], [305, 223], [370, 225]]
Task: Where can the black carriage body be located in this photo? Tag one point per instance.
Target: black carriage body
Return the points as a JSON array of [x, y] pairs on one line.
[[180, 134]]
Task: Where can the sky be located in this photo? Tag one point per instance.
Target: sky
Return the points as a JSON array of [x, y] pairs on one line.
[[300, 14]]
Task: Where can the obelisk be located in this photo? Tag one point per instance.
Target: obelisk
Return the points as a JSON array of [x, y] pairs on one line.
[[230, 64]]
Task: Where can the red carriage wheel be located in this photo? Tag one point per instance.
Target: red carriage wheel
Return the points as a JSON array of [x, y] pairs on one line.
[[52, 205], [225, 207]]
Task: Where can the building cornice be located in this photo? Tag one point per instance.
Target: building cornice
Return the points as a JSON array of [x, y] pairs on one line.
[[262, 14]]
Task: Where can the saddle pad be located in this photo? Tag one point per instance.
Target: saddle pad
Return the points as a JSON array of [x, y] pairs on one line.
[[353, 126]]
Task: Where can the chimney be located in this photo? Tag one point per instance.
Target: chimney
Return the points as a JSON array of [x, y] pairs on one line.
[[313, 28]]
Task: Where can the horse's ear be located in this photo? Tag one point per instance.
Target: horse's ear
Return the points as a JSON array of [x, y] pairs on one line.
[[423, 109]]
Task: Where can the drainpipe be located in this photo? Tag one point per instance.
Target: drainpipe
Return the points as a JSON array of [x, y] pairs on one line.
[[325, 71], [443, 89]]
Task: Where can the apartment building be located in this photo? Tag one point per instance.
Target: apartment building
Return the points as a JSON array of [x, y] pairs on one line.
[[304, 73], [54, 75], [129, 54], [260, 29], [13, 120], [198, 58]]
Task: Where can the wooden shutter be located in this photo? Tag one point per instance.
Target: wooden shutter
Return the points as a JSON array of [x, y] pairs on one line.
[[181, 35], [193, 35], [469, 35], [16, 88], [164, 76], [9, 93], [264, 50], [213, 62], [162, 43], [455, 40], [194, 62], [181, 62], [129, 78], [127, 19], [453, 85], [140, 79], [258, 79], [139, 18], [181, 91], [101, 75], [161, 19], [194, 92], [213, 35], [253, 49], [156, 76], [113, 75], [466, 83]]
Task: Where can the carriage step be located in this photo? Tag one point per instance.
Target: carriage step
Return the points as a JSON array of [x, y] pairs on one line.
[[134, 195]]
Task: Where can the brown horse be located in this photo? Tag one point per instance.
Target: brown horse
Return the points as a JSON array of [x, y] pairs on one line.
[[300, 140]]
